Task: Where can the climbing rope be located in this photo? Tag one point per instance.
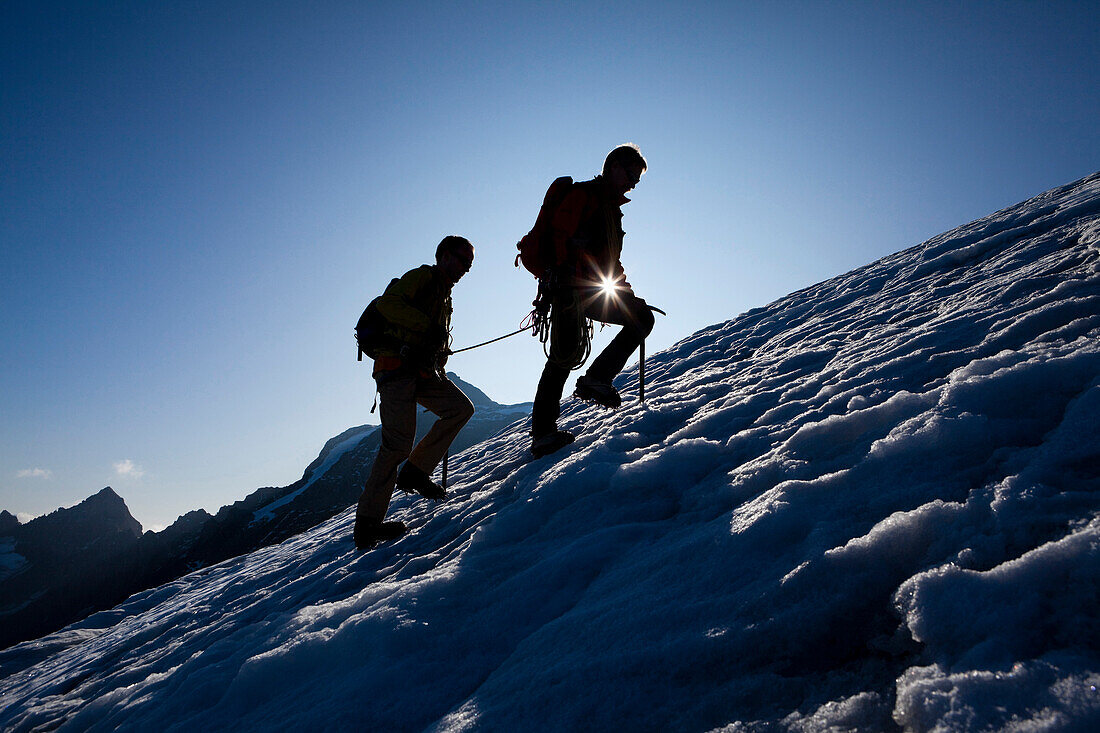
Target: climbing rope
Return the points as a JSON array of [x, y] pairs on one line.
[[492, 341], [539, 324]]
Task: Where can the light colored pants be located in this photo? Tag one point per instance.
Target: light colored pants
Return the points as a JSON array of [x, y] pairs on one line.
[[399, 395]]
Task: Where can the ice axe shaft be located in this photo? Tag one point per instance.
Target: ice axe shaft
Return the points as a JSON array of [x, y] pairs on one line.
[[641, 358]]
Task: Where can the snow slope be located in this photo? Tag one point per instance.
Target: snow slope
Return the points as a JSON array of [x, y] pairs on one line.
[[871, 505]]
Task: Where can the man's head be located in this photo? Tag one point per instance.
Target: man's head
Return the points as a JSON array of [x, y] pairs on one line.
[[623, 167], [454, 256]]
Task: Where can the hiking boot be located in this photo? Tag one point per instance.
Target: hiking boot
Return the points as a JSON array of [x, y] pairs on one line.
[[547, 443], [412, 480], [602, 393], [369, 533]]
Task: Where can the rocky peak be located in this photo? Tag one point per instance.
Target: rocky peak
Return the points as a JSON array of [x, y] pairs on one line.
[[188, 523], [100, 516], [479, 398], [8, 522], [110, 509]]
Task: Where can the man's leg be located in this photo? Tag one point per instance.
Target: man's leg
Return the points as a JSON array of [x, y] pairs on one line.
[[636, 319], [565, 334], [453, 408], [398, 414], [547, 407]]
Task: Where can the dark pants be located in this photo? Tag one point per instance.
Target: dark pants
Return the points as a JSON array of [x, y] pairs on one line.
[[400, 393], [567, 318]]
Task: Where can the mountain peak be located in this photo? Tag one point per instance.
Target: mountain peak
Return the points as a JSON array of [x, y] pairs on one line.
[[479, 398], [102, 512], [8, 522], [106, 494]]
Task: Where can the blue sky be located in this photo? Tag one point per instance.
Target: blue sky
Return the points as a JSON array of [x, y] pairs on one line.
[[198, 199]]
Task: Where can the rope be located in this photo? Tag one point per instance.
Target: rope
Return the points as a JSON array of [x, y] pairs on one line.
[[543, 326], [537, 322], [492, 341], [585, 331]]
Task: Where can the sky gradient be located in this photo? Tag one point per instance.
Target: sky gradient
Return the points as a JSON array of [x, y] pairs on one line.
[[198, 199]]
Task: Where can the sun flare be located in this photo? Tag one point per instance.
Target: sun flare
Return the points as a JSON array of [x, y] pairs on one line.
[[608, 287]]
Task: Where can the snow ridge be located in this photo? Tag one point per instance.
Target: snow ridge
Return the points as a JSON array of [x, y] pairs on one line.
[[330, 455], [871, 505]]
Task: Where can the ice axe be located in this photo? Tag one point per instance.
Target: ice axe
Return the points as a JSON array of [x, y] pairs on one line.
[[641, 358]]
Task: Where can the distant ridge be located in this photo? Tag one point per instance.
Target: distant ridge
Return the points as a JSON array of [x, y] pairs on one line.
[[59, 568]]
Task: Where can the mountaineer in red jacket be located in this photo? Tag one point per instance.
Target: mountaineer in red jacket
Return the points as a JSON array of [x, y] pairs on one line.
[[589, 283]]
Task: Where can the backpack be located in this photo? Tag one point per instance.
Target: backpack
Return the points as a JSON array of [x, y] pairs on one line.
[[370, 331], [536, 250]]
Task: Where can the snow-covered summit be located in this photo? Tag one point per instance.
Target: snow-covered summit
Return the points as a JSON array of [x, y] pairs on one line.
[[870, 505]]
